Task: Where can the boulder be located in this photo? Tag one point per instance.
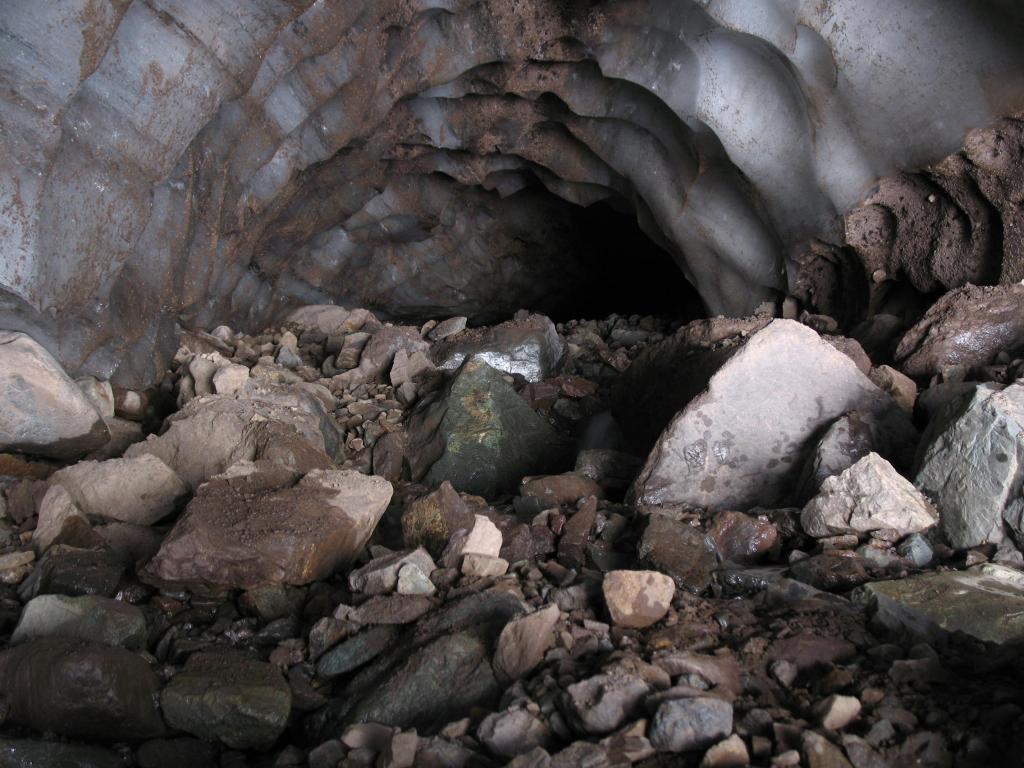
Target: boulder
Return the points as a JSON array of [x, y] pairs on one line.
[[968, 326], [239, 702], [80, 689], [243, 529], [986, 602], [741, 442], [211, 433], [530, 347], [141, 491], [87, 617], [637, 599], [478, 434], [869, 496], [44, 412], [973, 468]]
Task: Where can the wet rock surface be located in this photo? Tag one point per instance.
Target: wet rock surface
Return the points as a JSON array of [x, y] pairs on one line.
[[283, 603]]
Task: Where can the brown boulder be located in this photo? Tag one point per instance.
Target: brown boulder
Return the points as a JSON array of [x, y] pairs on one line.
[[242, 530]]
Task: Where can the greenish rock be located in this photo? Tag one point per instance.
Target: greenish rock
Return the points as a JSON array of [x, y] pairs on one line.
[[986, 602], [356, 651], [89, 617], [481, 436], [242, 703], [26, 753]]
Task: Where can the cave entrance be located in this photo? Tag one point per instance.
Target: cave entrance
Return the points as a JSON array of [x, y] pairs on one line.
[[627, 272]]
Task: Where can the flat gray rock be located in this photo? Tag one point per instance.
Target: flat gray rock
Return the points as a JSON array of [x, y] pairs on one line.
[[986, 602], [974, 468], [741, 442], [87, 617]]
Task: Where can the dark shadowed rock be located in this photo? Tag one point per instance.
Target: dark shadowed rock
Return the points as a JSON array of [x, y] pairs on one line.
[[478, 434], [66, 570], [679, 550], [440, 682], [741, 442], [44, 411], [356, 651], [238, 533], [25, 753], [968, 326], [223, 697], [82, 689], [430, 520]]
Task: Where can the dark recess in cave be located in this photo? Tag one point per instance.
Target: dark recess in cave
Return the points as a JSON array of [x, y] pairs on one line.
[[629, 273]]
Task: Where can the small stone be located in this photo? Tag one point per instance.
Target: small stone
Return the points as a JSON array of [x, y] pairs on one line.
[[868, 496], [229, 379], [15, 566], [785, 672], [837, 711], [917, 549], [900, 387], [681, 725], [741, 538], [554, 490], [446, 328], [483, 566], [680, 550], [731, 753], [523, 643], [602, 703], [819, 752], [400, 751], [288, 358], [380, 575], [413, 581], [484, 538], [61, 522], [512, 732], [638, 599]]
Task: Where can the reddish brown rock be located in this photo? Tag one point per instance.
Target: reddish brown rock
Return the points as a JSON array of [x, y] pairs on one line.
[[968, 326], [238, 533], [741, 538], [554, 490]]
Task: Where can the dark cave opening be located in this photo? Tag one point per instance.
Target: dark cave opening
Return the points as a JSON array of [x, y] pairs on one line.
[[626, 271]]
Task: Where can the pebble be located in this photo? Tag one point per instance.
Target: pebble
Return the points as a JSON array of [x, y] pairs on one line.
[[637, 599]]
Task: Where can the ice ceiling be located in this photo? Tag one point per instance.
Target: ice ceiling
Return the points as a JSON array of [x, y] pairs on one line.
[[176, 161]]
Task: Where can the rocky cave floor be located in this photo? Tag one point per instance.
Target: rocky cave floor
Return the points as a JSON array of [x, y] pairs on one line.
[[604, 543]]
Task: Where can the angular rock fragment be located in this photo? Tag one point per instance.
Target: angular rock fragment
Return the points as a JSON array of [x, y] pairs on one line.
[[869, 496], [430, 520], [974, 468], [530, 347], [82, 689], [142, 490], [553, 490], [98, 619], [380, 575], [480, 566], [602, 703], [681, 725], [61, 522], [379, 354], [238, 533], [523, 643], [356, 651], [446, 328], [739, 443], [478, 434], [741, 538], [637, 599], [902, 388], [968, 326], [239, 702], [45, 412]]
